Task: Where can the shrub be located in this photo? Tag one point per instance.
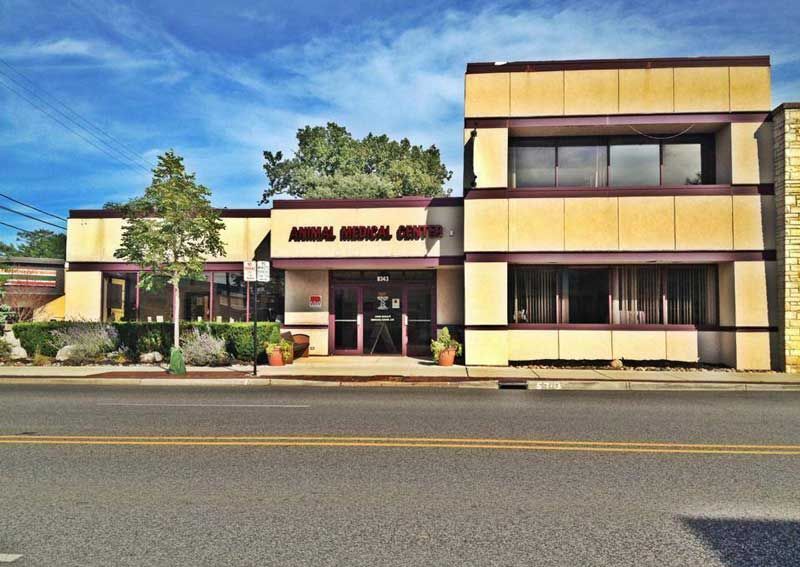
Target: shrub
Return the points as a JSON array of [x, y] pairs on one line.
[[41, 360], [37, 337], [89, 341], [203, 349], [139, 338], [5, 350]]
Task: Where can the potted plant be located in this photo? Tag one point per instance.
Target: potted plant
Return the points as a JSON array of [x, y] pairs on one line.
[[445, 348], [277, 348]]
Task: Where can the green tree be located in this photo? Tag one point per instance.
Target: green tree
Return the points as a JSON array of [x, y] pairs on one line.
[[40, 243], [331, 164], [170, 230]]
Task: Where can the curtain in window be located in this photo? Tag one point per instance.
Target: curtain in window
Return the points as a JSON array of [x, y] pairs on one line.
[[534, 295], [691, 295], [637, 295]]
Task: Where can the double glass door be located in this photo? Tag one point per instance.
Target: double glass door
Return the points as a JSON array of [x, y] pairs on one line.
[[382, 319]]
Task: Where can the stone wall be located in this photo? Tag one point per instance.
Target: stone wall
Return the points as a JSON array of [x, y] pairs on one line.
[[786, 129]]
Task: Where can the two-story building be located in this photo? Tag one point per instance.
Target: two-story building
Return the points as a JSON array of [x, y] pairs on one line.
[[641, 209]]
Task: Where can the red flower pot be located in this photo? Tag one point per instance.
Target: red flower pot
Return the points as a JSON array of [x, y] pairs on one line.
[[275, 357], [447, 357]]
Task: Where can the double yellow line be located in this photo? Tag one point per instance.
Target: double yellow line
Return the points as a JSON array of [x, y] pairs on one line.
[[404, 442]]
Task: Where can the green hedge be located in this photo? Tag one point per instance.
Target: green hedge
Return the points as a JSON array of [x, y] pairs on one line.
[[148, 337]]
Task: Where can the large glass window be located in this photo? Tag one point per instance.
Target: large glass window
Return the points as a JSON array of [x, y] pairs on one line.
[[230, 297], [638, 295], [533, 295], [633, 164], [156, 305], [585, 296], [271, 298], [533, 164], [582, 165], [620, 161]]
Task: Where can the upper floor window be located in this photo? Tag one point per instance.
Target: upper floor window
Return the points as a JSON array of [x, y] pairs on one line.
[[623, 161]]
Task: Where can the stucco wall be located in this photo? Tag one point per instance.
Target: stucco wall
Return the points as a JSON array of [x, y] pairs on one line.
[[83, 291]]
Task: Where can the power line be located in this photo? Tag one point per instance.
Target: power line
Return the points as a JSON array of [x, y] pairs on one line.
[[116, 156], [32, 217], [77, 133], [15, 227], [32, 207], [121, 146]]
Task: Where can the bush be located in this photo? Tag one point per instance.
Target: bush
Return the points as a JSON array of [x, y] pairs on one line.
[[89, 341], [37, 337], [203, 349], [5, 350], [443, 342], [138, 338]]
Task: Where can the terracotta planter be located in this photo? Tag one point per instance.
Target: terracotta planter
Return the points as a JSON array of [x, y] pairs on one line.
[[275, 357], [447, 357]]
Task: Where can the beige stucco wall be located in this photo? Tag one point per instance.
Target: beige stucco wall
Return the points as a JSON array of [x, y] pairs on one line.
[[83, 291], [450, 244], [486, 225], [96, 240], [486, 291], [486, 348], [617, 91], [53, 309], [450, 296], [489, 150], [300, 284], [751, 153]]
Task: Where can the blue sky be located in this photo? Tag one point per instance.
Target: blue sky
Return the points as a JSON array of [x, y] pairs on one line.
[[222, 81]]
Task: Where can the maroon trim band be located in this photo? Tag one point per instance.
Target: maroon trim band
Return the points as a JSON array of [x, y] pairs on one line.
[[649, 63], [657, 256], [654, 191], [113, 214], [290, 326], [611, 327], [400, 202], [616, 120], [366, 263], [128, 267]]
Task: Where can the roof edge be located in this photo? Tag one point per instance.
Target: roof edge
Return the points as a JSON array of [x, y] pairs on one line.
[[645, 63]]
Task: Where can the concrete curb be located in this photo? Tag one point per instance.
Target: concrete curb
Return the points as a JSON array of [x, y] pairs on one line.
[[538, 385]]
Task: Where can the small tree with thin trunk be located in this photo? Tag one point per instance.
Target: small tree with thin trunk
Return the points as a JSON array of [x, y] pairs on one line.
[[170, 231]]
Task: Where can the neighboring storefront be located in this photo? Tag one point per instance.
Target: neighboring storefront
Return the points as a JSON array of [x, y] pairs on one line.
[[612, 209]]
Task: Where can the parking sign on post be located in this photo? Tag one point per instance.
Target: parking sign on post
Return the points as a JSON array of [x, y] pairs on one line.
[[262, 271], [249, 271]]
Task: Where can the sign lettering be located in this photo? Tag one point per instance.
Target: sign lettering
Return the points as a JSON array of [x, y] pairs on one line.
[[360, 233]]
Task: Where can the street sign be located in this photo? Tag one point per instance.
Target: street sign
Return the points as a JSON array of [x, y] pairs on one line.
[[249, 271], [262, 271]]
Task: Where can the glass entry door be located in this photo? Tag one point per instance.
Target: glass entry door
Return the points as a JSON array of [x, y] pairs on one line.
[[419, 320], [383, 320], [347, 317]]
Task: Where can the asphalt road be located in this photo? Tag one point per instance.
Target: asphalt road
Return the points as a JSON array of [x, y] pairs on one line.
[[184, 476]]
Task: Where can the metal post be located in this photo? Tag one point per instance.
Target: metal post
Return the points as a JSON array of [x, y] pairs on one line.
[[255, 328]]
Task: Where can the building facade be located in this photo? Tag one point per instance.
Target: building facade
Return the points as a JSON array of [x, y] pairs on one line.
[[632, 209]]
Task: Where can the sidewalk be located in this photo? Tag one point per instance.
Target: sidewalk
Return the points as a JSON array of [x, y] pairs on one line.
[[398, 371]]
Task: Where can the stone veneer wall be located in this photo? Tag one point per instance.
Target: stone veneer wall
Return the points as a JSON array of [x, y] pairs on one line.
[[786, 128]]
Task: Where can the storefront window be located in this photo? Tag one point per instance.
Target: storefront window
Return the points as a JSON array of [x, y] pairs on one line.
[[637, 295], [271, 297], [230, 297], [156, 305], [195, 304], [119, 296]]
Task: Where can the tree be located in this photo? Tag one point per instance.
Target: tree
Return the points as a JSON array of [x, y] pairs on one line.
[[40, 243], [170, 230], [331, 164]]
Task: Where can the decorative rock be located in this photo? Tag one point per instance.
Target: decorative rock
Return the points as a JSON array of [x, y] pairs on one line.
[[65, 353], [17, 352], [616, 364], [150, 357]]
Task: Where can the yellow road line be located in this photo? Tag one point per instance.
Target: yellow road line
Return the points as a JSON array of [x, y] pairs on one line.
[[372, 440], [398, 443]]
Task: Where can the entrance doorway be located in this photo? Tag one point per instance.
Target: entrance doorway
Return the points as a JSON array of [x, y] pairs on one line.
[[386, 313]]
